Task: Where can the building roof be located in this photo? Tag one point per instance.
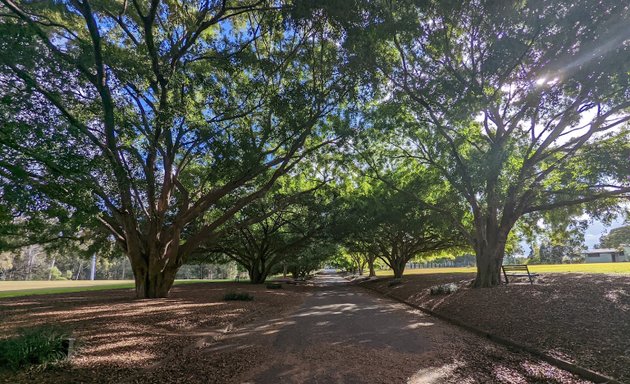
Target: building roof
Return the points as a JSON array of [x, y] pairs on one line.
[[602, 250]]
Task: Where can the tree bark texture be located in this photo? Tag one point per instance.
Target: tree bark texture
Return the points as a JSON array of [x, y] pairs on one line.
[[371, 266], [154, 273], [490, 250]]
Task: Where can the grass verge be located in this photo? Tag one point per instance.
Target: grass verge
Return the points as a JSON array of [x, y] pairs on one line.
[[27, 288], [623, 267]]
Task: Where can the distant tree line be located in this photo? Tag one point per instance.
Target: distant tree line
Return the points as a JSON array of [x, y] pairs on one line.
[[33, 262]]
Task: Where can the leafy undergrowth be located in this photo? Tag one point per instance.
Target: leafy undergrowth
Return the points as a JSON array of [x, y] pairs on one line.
[[34, 347], [238, 296], [583, 318]]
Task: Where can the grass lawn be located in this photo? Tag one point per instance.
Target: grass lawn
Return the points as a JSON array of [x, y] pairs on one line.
[[549, 268], [26, 288]]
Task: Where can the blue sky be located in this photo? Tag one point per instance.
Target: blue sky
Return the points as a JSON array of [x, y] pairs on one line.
[[596, 229], [592, 234]]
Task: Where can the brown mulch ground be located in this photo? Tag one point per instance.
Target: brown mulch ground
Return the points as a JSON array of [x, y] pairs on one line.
[[582, 318], [127, 340]]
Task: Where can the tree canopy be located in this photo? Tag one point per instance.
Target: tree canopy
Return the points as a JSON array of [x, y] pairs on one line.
[[284, 235], [161, 121], [382, 218], [168, 128], [616, 237], [522, 107]]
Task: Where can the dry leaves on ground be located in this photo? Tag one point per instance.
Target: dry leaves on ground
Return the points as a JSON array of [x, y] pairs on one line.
[[583, 318], [128, 340]]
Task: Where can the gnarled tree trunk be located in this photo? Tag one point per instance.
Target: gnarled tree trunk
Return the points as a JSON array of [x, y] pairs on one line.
[[371, 266], [398, 266], [258, 271], [154, 267], [395, 258], [153, 281], [490, 250], [153, 285], [489, 262]]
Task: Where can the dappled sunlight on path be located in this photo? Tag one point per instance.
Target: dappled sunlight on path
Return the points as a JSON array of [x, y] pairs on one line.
[[343, 334]]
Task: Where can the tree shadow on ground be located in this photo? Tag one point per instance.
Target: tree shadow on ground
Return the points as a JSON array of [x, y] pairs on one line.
[[120, 338], [356, 338], [578, 317]]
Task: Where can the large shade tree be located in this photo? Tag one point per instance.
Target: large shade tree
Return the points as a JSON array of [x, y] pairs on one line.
[[160, 120], [403, 230], [616, 238], [288, 227], [354, 230], [382, 218], [521, 106], [312, 257]]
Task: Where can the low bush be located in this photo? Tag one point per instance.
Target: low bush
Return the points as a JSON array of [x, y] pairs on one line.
[[444, 288], [238, 296], [34, 347]]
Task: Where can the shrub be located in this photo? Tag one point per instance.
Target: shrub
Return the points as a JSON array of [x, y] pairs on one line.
[[55, 274], [534, 260], [274, 286], [238, 296], [35, 346], [444, 288]]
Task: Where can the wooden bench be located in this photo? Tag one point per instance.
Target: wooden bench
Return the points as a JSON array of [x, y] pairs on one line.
[[517, 270]]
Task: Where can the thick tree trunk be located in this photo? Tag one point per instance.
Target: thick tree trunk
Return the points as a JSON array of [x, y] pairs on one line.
[[399, 268], [153, 283], [154, 273], [488, 269], [489, 253], [256, 276], [371, 266]]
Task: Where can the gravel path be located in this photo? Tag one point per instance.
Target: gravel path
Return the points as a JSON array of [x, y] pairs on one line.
[[344, 334]]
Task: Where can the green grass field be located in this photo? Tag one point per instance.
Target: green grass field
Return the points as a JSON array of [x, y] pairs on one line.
[[27, 288], [550, 268]]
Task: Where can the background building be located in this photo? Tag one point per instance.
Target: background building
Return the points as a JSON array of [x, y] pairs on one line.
[[606, 255]]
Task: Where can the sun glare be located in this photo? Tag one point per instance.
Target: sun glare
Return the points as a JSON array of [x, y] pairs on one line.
[[546, 81]]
